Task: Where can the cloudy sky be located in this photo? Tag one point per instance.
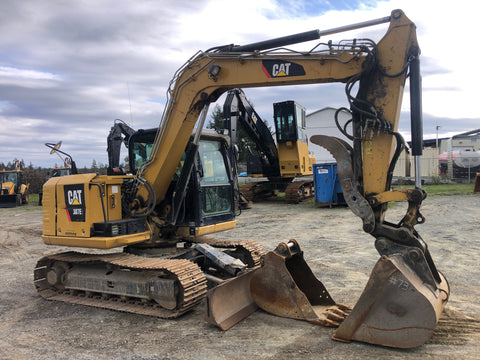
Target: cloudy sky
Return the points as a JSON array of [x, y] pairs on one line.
[[68, 68]]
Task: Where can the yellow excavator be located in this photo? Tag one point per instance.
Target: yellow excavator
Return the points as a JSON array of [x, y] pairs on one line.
[[14, 191], [182, 188], [280, 162]]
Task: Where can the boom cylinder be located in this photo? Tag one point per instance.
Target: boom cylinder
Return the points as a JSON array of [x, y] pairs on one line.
[[416, 107], [303, 37], [416, 119]]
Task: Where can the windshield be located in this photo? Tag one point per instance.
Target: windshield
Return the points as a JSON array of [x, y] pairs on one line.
[[140, 147], [213, 163], [216, 190], [142, 152], [8, 177]]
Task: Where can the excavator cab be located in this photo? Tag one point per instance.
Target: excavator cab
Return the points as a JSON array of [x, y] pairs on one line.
[[289, 121], [209, 200], [293, 154]]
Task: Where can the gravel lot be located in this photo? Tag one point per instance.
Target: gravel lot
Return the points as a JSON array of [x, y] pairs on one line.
[[335, 247]]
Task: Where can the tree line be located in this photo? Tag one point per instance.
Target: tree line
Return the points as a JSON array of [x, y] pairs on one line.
[[37, 176]]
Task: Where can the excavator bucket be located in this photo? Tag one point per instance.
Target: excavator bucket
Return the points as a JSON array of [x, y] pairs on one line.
[[397, 308], [405, 295], [476, 186], [286, 286]]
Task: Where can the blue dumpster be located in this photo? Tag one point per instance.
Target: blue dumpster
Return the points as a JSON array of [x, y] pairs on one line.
[[328, 191]]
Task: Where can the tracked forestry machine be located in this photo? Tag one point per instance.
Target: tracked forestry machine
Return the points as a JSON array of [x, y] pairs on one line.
[[280, 162], [182, 188]]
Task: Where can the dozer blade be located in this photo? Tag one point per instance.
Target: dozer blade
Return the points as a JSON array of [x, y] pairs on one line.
[[397, 308], [285, 286], [230, 302]]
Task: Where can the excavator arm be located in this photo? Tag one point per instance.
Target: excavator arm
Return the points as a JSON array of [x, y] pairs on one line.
[[119, 133], [406, 294]]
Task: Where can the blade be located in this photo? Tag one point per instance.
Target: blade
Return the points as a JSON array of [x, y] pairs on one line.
[[230, 302]]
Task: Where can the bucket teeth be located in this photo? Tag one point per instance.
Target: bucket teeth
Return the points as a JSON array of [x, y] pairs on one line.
[[344, 309], [330, 316], [336, 314]]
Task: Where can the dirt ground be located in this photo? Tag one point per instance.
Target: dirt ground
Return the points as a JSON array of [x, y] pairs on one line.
[[335, 247]]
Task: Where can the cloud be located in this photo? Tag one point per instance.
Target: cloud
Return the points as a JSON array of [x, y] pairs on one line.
[[69, 68]]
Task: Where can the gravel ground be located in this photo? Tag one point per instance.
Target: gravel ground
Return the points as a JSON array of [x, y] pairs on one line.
[[335, 247]]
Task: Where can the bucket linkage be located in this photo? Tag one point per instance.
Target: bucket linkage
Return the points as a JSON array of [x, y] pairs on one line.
[[405, 294]]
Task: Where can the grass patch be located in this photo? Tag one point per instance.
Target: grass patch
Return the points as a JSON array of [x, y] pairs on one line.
[[32, 199], [443, 189], [32, 204]]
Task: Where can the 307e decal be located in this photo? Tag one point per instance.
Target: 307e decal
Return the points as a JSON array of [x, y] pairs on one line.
[[75, 202]]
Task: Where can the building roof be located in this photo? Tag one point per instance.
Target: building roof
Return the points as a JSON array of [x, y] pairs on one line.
[[468, 133], [321, 110]]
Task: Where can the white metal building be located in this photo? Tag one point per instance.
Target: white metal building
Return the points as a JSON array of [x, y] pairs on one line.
[[322, 122]]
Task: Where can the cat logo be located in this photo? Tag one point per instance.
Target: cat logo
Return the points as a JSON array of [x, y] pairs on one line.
[[75, 202], [279, 68], [74, 197]]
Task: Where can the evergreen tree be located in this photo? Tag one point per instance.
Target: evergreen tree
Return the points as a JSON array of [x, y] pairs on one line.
[[243, 141], [216, 121], [94, 167]]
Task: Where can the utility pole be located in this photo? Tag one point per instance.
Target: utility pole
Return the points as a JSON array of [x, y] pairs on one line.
[[436, 142]]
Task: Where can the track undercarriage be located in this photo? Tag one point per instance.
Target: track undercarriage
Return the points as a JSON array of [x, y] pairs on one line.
[[165, 283], [295, 192]]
